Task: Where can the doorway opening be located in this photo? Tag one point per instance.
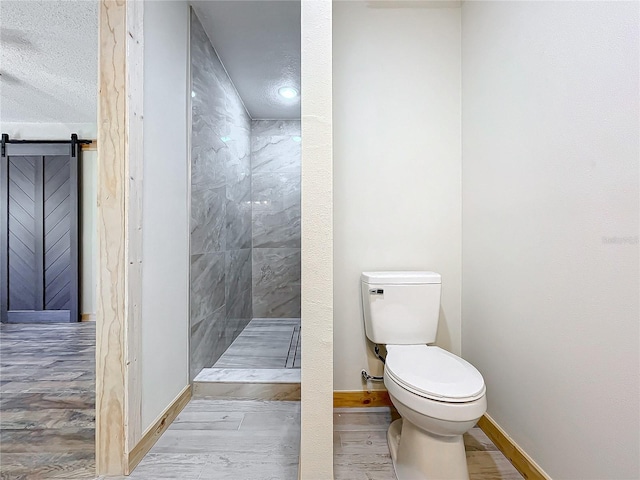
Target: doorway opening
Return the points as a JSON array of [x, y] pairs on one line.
[[48, 352], [245, 199], [39, 217], [48, 236]]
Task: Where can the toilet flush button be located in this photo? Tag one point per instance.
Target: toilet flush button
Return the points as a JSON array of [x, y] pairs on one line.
[[376, 291]]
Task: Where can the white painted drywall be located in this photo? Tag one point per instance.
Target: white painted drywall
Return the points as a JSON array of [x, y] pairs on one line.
[[397, 166], [316, 443], [46, 130], [550, 228], [165, 243]]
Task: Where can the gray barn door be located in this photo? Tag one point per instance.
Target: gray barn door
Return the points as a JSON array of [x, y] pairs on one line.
[[39, 238]]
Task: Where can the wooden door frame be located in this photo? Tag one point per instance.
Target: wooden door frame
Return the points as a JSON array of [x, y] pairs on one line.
[[119, 218]]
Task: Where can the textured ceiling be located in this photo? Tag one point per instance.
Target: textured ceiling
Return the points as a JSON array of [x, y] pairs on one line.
[[259, 44], [48, 54]]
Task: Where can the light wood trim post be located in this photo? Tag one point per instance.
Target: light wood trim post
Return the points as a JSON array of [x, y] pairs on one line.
[[157, 428], [368, 398], [118, 421], [527, 467], [135, 153]]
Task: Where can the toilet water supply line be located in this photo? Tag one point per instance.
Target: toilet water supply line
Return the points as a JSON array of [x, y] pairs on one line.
[[373, 378]]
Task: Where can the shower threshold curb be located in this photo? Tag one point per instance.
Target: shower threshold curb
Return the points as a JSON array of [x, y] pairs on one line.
[[249, 375], [248, 383]]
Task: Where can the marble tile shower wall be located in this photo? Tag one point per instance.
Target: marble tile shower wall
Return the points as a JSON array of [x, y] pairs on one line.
[[220, 206], [275, 198]]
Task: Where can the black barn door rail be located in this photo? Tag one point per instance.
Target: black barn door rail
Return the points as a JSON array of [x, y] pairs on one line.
[[74, 141]]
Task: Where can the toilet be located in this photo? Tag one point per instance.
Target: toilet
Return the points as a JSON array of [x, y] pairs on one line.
[[439, 395]]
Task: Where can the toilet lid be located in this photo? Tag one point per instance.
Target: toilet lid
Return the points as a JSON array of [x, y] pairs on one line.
[[434, 373]]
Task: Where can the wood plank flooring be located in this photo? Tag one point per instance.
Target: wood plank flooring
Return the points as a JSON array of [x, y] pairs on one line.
[[47, 401], [227, 440], [47, 384], [259, 440], [361, 451]]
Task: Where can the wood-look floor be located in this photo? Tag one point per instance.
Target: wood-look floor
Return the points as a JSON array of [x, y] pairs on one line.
[[361, 451], [259, 440], [227, 440], [47, 401], [47, 384]]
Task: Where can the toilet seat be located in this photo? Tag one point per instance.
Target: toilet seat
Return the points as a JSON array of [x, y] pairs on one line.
[[433, 373]]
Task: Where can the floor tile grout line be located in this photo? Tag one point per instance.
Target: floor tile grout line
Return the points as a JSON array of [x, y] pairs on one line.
[[241, 421], [206, 462], [293, 336], [295, 353]]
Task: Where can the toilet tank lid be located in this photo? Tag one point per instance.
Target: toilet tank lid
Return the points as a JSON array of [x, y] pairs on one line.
[[401, 278]]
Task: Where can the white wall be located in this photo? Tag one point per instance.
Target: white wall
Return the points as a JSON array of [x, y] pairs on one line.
[[50, 130], [397, 167], [550, 228], [316, 441], [165, 272]]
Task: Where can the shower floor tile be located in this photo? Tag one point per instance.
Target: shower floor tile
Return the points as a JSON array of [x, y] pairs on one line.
[[265, 343]]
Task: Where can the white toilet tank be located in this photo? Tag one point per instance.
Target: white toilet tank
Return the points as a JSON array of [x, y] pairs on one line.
[[401, 308]]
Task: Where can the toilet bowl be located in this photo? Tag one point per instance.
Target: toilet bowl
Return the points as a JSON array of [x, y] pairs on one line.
[[439, 397]]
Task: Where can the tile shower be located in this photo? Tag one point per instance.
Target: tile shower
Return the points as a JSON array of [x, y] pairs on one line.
[[275, 198], [245, 222]]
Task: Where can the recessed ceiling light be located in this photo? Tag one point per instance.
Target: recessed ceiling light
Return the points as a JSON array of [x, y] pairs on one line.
[[288, 92]]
